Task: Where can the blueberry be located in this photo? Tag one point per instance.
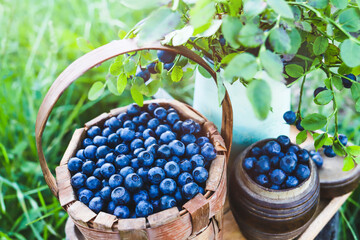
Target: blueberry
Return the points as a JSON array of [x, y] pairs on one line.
[[318, 160], [172, 169], [319, 90], [115, 181], [87, 142], [153, 123], [346, 82], [274, 161], [88, 167], [264, 157], [167, 202], [197, 127], [192, 149], [185, 178], [75, 164], [156, 175], [249, 163], [329, 152], [143, 173], [209, 152], [160, 113], [93, 131], [303, 155], [154, 191], [302, 172], [185, 166], [150, 141], [202, 140], [148, 133], [298, 125], [197, 161], [120, 195], [102, 151], [189, 190], [90, 152], [96, 204], [146, 158], [167, 137], [80, 154], [172, 118], [188, 126], [107, 170], [275, 187], [256, 152], [105, 193], [164, 151], [343, 139], [291, 182], [156, 204], [284, 141], [177, 126], [167, 186], [161, 129], [160, 162], [93, 183], [189, 138], [313, 152], [262, 166], [121, 211], [136, 143], [222, 40], [111, 207], [293, 148], [114, 124], [166, 56], [289, 117], [85, 195], [78, 180], [133, 109], [292, 154], [138, 151], [144, 118], [153, 149], [113, 140], [122, 161], [277, 176], [110, 158], [272, 148], [200, 174], [177, 147], [105, 183], [135, 163], [262, 179], [141, 129], [178, 196], [97, 173], [168, 66], [129, 124], [127, 134], [144, 74], [123, 117], [106, 132], [152, 69], [126, 171], [288, 164], [141, 195]]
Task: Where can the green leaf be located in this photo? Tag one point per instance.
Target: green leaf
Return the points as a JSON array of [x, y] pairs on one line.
[[202, 13], [357, 105], [96, 90], [338, 149], [353, 150], [324, 97], [280, 40], [204, 72], [153, 87], [231, 28], [121, 83], [320, 4], [243, 65], [259, 94], [355, 91], [214, 27], [221, 88], [158, 24], [350, 52], [340, 4], [301, 137], [141, 4], [136, 95], [348, 164], [294, 70], [281, 8], [251, 36], [111, 84], [314, 121], [228, 58], [320, 45], [182, 35], [350, 19], [327, 83], [254, 7], [320, 140], [176, 74], [116, 68], [272, 64], [337, 82], [295, 39], [84, 45], [121, 34]]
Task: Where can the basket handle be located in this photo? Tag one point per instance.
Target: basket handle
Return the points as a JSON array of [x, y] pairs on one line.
[[94, 58]]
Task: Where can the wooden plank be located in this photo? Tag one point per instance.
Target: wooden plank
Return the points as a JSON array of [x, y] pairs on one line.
[[163, 217], [207, 234], [131, 224], [104, 221], [80, 213], [215, 173], [73, 146], [98, 120], [199, 209], [66, 193], [214, 135]]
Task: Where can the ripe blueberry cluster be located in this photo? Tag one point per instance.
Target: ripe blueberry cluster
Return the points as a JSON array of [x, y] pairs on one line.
[[290, 118], [329, 151], [143, 161], [279, 164]]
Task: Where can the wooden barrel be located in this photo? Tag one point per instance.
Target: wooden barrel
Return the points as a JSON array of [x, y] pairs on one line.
[[263, 213]]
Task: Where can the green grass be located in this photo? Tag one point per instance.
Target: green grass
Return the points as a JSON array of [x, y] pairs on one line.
[[37, 41]]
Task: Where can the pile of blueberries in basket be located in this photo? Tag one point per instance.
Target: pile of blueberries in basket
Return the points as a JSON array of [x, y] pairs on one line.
[[143, 161], [279, 164]]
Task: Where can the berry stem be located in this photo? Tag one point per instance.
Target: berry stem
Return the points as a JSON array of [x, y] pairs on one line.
[[334, 106], [301, 95]]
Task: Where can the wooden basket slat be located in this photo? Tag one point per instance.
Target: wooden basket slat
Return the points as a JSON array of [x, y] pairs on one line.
[[199, 210], [217, 200], [80, 213], [214, 135], [66, 193], [163, 217], [104, 221], [131, 224], [207, 234], [215, 173], [97, 121], [74, 144], [97, 234]]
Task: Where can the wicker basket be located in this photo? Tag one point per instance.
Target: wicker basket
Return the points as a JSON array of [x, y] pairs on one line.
[[201, 217]]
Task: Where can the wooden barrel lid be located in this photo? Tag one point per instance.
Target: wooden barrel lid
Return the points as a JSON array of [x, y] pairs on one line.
[[334, 181]]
